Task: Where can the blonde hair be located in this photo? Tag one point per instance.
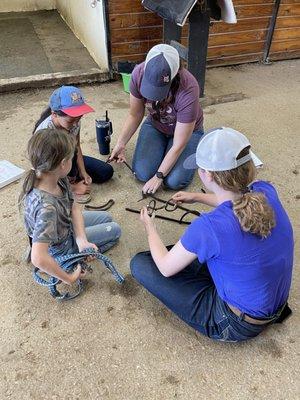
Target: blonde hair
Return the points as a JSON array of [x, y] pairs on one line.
[[46, 149], [252, 210]]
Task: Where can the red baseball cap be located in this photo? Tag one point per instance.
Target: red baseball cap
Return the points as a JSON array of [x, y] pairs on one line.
[[69, 100]]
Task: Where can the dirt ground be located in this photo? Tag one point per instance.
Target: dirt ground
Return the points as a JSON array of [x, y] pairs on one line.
[[118, 342]]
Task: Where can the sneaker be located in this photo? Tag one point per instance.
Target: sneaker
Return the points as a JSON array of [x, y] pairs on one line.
[[82, 198]]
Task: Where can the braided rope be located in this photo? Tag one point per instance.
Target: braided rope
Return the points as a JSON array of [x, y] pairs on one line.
[[68, 263]]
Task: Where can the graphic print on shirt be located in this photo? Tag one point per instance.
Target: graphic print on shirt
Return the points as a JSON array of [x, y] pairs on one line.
[[167, 115]]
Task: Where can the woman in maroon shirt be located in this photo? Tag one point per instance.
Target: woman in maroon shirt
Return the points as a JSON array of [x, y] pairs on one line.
[[174, 125]]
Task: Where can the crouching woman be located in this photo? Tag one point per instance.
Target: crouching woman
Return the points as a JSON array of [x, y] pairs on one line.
[[230, 273]]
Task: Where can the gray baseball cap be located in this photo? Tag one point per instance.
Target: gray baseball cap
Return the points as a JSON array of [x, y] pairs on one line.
[[218, 150], [161, 66]]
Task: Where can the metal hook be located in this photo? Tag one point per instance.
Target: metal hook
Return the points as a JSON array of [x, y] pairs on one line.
[[94, 3]]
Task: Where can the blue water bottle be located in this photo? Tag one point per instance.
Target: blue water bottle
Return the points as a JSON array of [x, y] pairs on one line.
[[103, 132]]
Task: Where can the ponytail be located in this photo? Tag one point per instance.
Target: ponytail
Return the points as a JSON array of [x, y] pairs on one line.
[[254, 213], [252, 209], [27, 186], [45, 114]]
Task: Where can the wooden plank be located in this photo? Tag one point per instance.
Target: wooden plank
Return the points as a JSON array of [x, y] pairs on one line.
[[242, 25], [286, 34], [241, 6], [149, 19], [219, 51], [239, 37], [151, 33], [235, 49], [286, 45], [136, 34], [287, 22], [290, 1], [129, 57], [251, 2], [125, 6], [254, 23], [134, 20], [144, 32], [289, 9], [233, 60], [284, 55], [253, 11], [210, 62], [133, 47]]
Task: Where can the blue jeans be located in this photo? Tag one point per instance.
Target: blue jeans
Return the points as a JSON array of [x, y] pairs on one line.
[[150, 150], [100, 230], [98, 170], [192, 296]]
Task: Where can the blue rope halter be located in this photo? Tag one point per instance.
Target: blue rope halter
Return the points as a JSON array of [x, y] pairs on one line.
[[68, 263]]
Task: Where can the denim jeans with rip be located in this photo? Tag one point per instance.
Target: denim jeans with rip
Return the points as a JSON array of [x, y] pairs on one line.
[[151, 148]]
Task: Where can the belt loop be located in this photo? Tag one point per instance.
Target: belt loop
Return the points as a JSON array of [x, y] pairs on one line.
[[242, 316]]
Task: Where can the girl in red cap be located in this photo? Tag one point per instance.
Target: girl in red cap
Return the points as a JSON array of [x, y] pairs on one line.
[[65, 110]]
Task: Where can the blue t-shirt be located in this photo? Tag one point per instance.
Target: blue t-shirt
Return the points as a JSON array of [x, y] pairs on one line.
[[250, 273]]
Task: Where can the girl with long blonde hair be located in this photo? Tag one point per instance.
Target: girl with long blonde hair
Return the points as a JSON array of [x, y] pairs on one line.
[[230, 273]]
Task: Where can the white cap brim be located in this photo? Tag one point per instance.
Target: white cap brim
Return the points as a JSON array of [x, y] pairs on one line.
[[257, 162], [190, 162]]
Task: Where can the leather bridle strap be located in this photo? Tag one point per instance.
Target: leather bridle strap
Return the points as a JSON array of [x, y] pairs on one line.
[[195, 212], [179, 221], [101, 207]]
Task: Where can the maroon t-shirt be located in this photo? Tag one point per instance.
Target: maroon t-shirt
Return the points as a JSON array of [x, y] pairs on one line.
[[185, 108]]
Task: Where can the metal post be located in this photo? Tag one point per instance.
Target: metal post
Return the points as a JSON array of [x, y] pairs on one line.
[[107, 31], [171, 31], [198, 43], [270, 33]]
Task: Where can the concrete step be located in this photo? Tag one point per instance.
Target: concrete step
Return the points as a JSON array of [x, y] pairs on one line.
[[54, 79]]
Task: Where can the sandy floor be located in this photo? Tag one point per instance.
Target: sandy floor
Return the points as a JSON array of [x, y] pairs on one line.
[[119, 342]]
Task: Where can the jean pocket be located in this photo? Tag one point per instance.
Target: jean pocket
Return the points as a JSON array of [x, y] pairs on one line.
[[221, 332], [241, 331], [228, 335]]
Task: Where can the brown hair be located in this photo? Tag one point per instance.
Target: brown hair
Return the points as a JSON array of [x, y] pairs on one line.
[[45, 114], [46, 149], [252, 210]]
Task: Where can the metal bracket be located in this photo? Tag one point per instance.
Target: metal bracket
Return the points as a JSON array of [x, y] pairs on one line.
[[94, 3]]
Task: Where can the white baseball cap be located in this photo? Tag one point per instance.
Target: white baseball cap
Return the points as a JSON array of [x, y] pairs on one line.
[[218, 151], [161, 66]]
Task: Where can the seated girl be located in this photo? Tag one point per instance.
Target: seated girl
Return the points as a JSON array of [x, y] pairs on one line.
[[65, 110], [53, 220], [229, 275]]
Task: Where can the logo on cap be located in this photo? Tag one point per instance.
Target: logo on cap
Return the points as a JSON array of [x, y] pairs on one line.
[[76, 97], [166, 78]]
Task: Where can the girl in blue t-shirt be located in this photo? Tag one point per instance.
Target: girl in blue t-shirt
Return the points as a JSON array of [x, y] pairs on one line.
[[230, 273]]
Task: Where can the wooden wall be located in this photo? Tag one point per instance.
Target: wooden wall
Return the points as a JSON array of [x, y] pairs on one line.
[[134, 30], [286, 39]]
